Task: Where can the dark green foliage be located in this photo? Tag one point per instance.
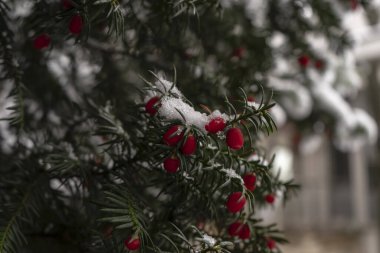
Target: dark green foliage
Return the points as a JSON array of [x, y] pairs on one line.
[[9, 67], [86, 171]]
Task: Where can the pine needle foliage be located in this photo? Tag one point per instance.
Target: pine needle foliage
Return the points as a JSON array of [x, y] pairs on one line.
[[22, 209], [87, 172], [10, 68]]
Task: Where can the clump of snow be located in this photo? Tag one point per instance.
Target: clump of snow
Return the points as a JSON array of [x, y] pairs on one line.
[[173, 107], [277, 40], [348, 80], [279, 115], [209, 240], [253, 104], [218, 114], [221, 135], [176, 109], [257, 158], [256, 10], [211, 147], [368, 123], [362, 131], [310, 143], [231, 173], [187, 176], [330, 100], [297, 101], [165, 86]]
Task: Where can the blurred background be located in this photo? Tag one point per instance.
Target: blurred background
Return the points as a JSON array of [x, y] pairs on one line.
[[338, 207]]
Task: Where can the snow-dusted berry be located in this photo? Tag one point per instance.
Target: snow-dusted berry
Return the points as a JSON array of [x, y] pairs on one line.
[[150, 106], [270, 198], [235, 202], [215, 125], [250, 181], [76, 24], [41, 41], [235, 138], [189, 146], [173, 135], [171, 164], [132, 243]]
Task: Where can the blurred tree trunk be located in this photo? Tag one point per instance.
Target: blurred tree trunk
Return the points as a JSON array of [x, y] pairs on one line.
[[374, 92]]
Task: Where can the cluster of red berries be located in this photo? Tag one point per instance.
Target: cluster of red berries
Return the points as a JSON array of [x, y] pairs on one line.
[[236, 202], [239, 229], [172, 137], [132, 243], [304, 61], [234, 139], [243, 231], [76, 23], [234, 136]]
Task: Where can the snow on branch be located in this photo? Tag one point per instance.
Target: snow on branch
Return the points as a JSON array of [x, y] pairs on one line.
[[174, 107]]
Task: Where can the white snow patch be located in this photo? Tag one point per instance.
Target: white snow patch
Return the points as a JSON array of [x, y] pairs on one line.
[[165, 86], [175, 108], [209, 240], [231, 173], [257, 158], [218, 114], [310, 143], [171, 108], [331, 101], [253, 104], [297, 101], [363, 131], [279, 115]]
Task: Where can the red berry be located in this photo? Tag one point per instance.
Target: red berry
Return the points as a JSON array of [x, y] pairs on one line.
[[271, 244], [173, 135], [215, 125], [235, 202], [67, 4], [76, 24], [238, 52], [250, 182], [171, 164], [250, 99], [235, 228], [303, 60], [354, 4], [245, 232], [235, 139], [270, 198], [42, 41], [150, 106], [319, 64], [132, 243], [189, 146]]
